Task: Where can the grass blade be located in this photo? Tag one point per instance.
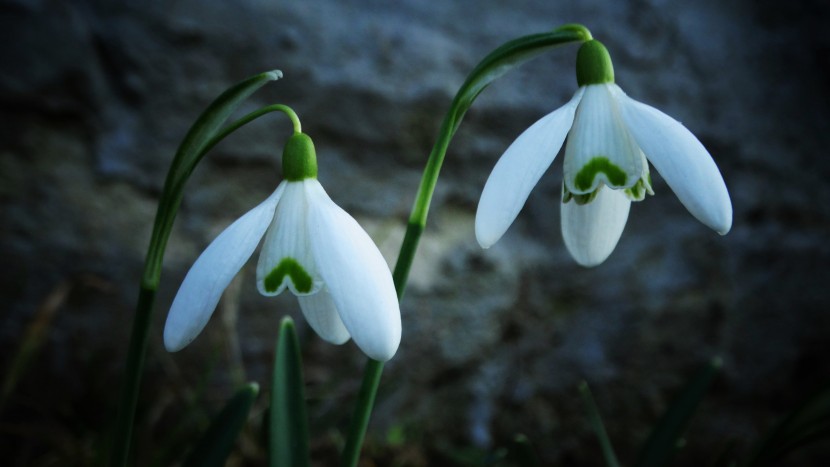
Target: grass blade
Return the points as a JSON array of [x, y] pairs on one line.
[[288, 434], [598, 426], [216, 444], [662, 443]]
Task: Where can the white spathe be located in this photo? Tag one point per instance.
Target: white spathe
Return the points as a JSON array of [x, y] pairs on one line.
[[352, 293], [604, 128]]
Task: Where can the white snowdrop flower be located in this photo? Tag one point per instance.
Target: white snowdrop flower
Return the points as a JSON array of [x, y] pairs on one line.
[[610, 140], [313, 248]]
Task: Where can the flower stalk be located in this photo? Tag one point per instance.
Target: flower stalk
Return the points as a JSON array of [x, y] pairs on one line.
[[204, 134], [493, 66]]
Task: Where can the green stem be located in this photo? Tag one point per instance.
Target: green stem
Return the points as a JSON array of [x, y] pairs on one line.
[[174, 189], [135, 363], [362, 412], [165, 215], [494, 65], [288, 111]]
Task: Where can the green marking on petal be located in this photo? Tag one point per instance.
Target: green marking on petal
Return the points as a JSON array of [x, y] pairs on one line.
[[636, 192], [291, 268], [585, 177], [580, 199], [640, 189]]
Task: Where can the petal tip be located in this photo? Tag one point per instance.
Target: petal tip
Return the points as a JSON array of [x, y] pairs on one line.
[[382, 342], [173, 342], [484, 243], [724, 231], [590, 262], [385, 351]]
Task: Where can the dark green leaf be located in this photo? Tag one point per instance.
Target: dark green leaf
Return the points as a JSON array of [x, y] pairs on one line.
[[215, 445], [523, 453], [665, 436], [288, 434], [808, 423], [598, 426], [190, 152]]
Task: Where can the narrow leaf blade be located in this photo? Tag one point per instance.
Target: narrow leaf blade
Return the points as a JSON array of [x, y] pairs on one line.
[[598, 426], [216, 444], [808, 423], [662, 443], [213, 117], [288, 435], [189, 154]]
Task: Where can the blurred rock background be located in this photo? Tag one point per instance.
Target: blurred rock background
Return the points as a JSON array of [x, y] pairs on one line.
[[96, 95]]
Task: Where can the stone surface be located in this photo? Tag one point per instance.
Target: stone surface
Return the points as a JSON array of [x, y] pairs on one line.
[[95, 97]]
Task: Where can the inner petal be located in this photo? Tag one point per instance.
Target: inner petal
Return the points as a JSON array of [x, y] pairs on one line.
[[600, 149], [639, 190], [286, 259], [288, 270]]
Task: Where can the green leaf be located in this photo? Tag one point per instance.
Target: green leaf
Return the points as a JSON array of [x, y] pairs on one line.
[[288, 433], [666, 435], [198, 140], [216, 444], [598, 426], [808, 423], [522, 452]]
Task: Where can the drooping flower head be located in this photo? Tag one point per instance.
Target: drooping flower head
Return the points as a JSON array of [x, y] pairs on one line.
[[610, 140], [313, 248]]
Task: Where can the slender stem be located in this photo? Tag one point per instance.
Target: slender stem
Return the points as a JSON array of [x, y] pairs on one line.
[[362, 412], [374, 368], [599, 428], [165, 215], [288, 111], [135, 363], [174, 189], [489, 69]]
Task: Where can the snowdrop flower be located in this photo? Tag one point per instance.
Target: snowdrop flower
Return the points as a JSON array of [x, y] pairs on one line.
[[313, 248], [611, 139]]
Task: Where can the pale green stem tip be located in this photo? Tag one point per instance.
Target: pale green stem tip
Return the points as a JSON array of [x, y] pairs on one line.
[[577, 28]]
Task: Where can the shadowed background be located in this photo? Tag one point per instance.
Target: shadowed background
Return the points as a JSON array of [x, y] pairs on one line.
[[95, 97]]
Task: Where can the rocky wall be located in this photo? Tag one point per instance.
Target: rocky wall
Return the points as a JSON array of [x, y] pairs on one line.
[[95, 97]]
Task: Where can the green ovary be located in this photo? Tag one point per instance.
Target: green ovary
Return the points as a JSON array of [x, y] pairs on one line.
[[291, 268], [585, 177]]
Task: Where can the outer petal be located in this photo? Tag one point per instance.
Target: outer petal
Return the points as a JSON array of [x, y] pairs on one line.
[[591, 231], [356, 274], [213, 271], [321, 313], [518, 171], [682, 161], [286, 259], [600, 150]]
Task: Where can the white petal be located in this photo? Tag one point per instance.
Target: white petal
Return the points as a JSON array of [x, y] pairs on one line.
[[285, 260], [355, 274], [682, 161], [321, 313], [599, 148], [518, 170], [591, 231], [213, 271]]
